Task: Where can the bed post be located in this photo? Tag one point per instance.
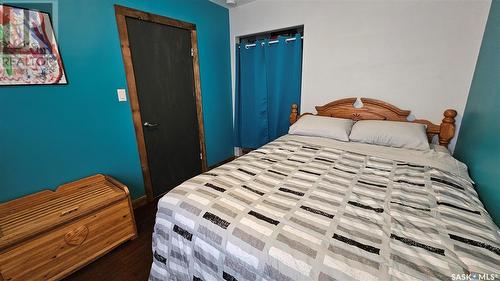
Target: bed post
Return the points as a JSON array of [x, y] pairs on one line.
[[294, 113], [447, 128]]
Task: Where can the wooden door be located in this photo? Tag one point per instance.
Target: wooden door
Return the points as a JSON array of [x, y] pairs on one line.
[[166, 86]]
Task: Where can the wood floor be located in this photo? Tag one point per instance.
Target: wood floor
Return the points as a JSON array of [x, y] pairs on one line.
[[130, 261]]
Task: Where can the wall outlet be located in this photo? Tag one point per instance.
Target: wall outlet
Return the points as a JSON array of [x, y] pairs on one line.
[[122, 95]]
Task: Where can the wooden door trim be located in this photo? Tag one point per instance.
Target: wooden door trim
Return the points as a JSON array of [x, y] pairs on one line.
[[121, 13], [199, 107], [133, 13]]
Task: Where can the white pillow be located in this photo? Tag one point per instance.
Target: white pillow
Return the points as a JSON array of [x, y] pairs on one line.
[[391, 133], [322, 126]]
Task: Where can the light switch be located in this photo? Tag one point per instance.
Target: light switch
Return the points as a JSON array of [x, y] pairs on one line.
[[122, 95]]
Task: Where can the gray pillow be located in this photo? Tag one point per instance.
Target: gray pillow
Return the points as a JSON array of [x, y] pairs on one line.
[[391, 133], [322, 126]]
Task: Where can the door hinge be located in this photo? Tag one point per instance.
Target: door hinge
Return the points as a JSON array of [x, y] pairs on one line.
[[201, 155], [192, 52]]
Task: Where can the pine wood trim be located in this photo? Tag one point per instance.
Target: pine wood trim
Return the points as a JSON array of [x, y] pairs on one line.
[[121, 13], [374, 109], [199, 107], [133, 13], [134, 100]]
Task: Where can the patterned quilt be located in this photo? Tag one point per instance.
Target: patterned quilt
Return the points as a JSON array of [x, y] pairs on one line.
[[294, 210]]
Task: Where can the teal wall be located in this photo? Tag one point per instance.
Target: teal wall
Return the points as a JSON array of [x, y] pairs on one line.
[[50, 135], [479, 140]]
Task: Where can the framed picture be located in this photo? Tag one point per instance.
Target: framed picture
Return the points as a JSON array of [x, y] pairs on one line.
[[29, 54]]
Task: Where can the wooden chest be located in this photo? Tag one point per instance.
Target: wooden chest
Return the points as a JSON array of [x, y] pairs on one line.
[[48, 235]]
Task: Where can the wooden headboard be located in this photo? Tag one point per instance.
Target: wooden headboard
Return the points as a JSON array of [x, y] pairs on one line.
[[379, 110]]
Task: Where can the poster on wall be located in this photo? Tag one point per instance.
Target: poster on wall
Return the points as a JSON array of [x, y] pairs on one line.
[[29, 54]]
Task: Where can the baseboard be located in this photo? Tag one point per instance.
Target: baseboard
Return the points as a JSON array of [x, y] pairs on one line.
[[222, 162], [141, 201]]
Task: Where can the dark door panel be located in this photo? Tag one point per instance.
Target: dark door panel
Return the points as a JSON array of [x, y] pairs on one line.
[[163, 69]]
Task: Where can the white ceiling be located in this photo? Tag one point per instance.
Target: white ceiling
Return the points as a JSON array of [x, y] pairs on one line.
[[238, 3]]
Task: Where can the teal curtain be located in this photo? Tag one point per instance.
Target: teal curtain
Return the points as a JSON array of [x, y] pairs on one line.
[[268, 81]]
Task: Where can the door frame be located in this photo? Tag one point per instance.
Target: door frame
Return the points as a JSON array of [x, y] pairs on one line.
[[121, 13]]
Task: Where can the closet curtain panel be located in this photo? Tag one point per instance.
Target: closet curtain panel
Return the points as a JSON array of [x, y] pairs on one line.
[[251, 97], [268, 81]]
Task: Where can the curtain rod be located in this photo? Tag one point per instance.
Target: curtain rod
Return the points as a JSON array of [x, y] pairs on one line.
[[273, 42]]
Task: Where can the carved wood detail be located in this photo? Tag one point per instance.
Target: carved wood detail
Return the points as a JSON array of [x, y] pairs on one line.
[[374, 109], [76, 236]]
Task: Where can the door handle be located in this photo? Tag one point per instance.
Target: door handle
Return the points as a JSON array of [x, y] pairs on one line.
[[147, 124]]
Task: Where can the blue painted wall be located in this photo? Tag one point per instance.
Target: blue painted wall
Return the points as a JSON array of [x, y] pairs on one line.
[[50, 135], [479, 140]]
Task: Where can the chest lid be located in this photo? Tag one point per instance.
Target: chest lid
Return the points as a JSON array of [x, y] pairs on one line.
[[31, 215]]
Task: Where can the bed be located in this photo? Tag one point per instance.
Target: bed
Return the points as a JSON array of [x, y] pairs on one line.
[[312, 208]]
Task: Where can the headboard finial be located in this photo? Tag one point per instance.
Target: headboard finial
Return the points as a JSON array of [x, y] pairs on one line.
[[447, 128], [294, 114]]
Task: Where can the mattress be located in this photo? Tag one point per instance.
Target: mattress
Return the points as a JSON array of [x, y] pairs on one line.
[[308, 208]]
